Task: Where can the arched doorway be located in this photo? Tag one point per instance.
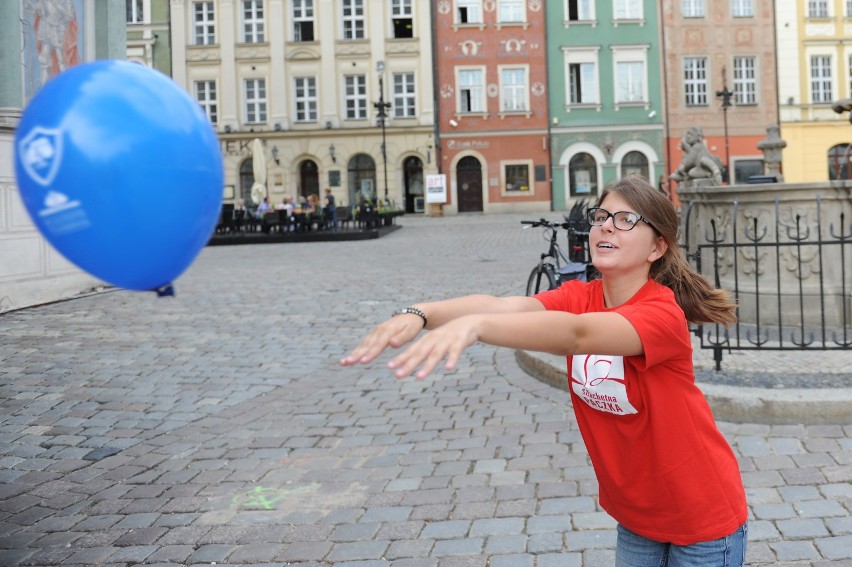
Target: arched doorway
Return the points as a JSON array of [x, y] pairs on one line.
[[308, 178], [469, 183], [413, 171], [362, 179], [583, 175], [246, 181]]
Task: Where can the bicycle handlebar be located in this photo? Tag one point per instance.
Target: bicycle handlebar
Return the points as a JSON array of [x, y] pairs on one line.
[[547, 224]]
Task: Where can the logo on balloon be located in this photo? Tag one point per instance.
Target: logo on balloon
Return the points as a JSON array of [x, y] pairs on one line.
[[41, 154]]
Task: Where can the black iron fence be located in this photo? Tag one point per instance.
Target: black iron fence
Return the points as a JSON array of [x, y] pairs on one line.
[[788, 271]]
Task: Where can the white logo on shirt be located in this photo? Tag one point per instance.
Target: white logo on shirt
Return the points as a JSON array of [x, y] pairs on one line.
[[599, 381]]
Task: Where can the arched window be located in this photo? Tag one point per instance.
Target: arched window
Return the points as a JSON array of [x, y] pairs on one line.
[[838, 162], [634, 163], [362, 179], [583, 175]]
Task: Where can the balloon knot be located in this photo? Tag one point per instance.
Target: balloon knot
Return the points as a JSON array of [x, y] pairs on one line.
[[167, 290]]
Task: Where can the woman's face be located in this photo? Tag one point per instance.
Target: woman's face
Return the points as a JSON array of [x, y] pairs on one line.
[[623, 252]]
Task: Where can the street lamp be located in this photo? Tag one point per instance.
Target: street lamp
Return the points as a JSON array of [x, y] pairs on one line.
[[726, 103], [381, 113]]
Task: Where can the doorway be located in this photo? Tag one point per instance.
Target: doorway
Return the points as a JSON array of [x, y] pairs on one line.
[[469, 182]]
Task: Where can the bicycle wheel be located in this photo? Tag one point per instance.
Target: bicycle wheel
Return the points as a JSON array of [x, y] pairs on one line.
[[542, 278]]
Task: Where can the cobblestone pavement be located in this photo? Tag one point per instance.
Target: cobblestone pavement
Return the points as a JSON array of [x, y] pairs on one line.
[[216, 427]]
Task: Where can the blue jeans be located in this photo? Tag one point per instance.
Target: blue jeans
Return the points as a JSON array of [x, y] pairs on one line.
[[633, 550]]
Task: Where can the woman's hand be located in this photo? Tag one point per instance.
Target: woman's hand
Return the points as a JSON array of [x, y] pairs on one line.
[[448, 341], [395, 332]]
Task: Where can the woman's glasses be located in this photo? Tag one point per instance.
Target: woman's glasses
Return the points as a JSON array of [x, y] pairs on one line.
[[622, 220]]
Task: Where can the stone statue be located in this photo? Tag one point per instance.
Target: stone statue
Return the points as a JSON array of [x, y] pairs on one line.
[[698, 163], [843, 105]]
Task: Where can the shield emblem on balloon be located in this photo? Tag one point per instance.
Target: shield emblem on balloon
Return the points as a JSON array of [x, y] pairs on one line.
[[41, 154]]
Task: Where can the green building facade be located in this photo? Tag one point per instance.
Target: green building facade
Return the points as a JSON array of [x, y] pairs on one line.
[[605, 95]]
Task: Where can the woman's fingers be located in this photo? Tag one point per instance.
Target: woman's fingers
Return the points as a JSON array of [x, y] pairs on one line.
[[393, 333]]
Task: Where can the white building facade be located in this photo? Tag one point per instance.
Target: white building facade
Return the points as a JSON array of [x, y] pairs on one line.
[[303, 76]]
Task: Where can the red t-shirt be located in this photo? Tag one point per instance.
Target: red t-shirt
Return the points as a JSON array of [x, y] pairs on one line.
[[664, 469]]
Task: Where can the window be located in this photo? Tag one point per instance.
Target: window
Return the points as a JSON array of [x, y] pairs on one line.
[[403, 18], [303, 20], [745, 80], [581, 82], [513, 89], [630, 81], [628, 10], [693, 8], [581, 10], [817, 8], [742, 8], [695, 81], [510, 11], [205, 94], [746, 168], [253, 21], [305, 97], [204, 27], [255, 101], [516, 177], [355, 97], [468, 11], [471, 90], [583, 175], [134, 12], [353, 19], [404, 97], [820, 79], [839, 166], [849, 8], [634, 163]]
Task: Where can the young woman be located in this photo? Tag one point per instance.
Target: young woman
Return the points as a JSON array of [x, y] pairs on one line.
[[665, 472]]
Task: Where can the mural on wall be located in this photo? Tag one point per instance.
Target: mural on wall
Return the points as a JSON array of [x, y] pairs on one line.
[[53, 40]]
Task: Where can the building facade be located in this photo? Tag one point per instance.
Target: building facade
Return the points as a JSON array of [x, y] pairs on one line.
[[148, 37], [606, 100], [815, 45], [491, 84], [38, 40], [310, 79], [712, 48]]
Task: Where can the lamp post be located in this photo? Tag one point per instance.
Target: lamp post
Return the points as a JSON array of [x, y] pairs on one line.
[[381, 113], [725, 94]]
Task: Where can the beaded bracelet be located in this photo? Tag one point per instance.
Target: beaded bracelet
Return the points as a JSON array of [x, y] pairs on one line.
[[413, 311]]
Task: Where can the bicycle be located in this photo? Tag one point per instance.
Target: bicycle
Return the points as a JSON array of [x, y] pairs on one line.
[[555, 267]]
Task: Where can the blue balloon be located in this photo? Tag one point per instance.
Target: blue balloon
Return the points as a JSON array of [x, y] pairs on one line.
[[121, 171]]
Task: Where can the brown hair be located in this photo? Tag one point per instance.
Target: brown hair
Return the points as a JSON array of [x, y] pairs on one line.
[[700, 301]]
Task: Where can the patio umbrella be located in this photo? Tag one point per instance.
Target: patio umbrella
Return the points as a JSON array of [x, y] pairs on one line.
[[258, 165]]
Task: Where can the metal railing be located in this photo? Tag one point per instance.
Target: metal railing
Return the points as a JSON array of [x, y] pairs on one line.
[[790, 279]]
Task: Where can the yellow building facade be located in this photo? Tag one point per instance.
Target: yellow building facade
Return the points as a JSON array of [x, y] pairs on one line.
[[814, 71]]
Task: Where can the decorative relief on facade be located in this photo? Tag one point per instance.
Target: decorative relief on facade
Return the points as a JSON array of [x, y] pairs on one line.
[[260, 51], [195, 55], [743, 37], [534, 5], [470, 47], [817, 30], [513, 45], [447, 91], [444, 7], [406, 47], [492, 90], [537, 88], [302, 54], [489, 5], [352, 49]]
